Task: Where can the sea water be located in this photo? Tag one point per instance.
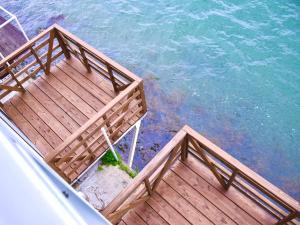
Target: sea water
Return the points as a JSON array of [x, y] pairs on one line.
[[230, 69]]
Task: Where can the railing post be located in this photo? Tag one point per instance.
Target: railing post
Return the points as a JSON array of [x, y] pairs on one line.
[[184, 148], [148, 186], [62, 44], [85, 61], [49, 53], [112, 78]]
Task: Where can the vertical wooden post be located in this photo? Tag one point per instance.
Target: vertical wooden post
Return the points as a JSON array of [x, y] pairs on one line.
[[49, 53], [62, 44], [85, 61], [148, 186], [112, 78], [184, 148]]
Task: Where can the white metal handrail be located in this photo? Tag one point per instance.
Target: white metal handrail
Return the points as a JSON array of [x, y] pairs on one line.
[[12, 18]]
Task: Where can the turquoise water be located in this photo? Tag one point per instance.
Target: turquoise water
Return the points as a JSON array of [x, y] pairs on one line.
[[230, 69]]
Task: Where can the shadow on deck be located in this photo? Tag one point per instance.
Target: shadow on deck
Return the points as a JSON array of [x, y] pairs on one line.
[[60, 92], [192, 181]]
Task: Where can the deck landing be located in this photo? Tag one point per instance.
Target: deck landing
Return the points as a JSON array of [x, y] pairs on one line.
[[190, 194], [54, 106]]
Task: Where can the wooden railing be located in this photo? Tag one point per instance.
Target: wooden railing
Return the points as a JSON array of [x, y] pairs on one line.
[[227, 170], [55, 43], [91, 58], [28, 61], [87, 143]]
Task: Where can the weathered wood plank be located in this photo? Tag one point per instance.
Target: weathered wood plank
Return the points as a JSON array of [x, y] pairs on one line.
[[53, 108], [52, 138], [233, 194], [122, 223], [85, 83], [47, 117], [33, 135], [149, 215], [61, 101], [181, 205], [96, 78], [213, 195], [70, 95], [197, 200], [131, 218], [90, 99], [166, 211]]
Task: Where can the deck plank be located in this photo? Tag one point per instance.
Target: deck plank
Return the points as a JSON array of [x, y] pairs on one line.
[[218, 199], [166, 211], [197, 200], [70, 95], [40, 142], [122, 223], [53, 108], [52, 138], [46, 116], [233, 194], [149, 215], [181, 205], [86, 83], [81, 92], [61, 101], [103, 83], [131, 218]]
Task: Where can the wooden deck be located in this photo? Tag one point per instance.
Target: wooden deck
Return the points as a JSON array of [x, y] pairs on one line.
[[54, 106], [193, 181], [190, 194], [60, 92]]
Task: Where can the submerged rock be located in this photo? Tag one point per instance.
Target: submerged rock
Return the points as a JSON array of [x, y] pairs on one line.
[[55, 19]]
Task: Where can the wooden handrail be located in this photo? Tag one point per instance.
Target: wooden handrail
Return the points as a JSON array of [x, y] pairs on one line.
[[114, 65], [188, 140], [91, 121], [243, 170], [27, 45], [117, 74]]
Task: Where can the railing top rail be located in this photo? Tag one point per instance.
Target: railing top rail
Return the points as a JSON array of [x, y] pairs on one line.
[[215, 151], [244, 170], [116, 66]]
